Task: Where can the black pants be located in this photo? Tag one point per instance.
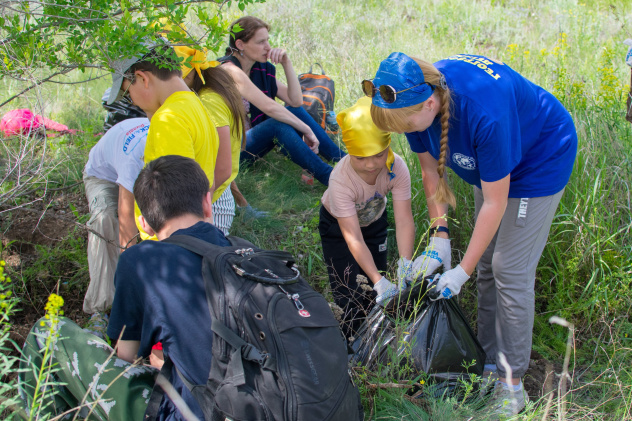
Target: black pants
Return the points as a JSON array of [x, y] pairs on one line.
[[343, 269]]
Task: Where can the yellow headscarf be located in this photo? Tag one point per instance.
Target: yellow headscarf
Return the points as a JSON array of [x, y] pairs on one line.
[[361, 136], [197, 62]]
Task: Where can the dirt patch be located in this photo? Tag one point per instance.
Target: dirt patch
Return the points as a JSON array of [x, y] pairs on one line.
[[22, 231], [542, 376], [43, 222]]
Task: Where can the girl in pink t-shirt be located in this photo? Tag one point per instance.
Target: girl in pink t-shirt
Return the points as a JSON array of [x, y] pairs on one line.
[[353, 218]]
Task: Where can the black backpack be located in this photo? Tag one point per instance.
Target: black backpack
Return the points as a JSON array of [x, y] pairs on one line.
[[319, 95], [278, 353]]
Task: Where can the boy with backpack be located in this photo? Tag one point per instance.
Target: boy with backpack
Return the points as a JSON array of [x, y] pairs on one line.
[[160, 294], [159, 297], [353, 218]]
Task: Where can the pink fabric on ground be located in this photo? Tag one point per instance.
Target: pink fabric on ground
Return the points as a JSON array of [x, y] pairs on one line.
[[53, 125], [23, 121], [19, 122]]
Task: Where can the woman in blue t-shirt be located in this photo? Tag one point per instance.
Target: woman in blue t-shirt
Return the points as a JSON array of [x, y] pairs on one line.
[[516, 144], [250, 61]]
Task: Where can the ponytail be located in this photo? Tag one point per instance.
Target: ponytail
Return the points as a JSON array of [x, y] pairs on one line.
[[219, 81]]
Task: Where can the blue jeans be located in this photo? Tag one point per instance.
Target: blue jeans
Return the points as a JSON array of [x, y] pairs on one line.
[[260, 141]]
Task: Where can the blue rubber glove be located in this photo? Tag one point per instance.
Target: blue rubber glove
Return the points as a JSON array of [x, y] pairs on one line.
[[252, 213], [449, 283]]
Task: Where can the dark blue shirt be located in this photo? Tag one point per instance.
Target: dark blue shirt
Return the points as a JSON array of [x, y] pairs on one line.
[[500, 124], [263, 76], [160, 297]]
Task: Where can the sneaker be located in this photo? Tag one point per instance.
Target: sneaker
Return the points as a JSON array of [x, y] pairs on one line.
[[508, 402], [97, 325]]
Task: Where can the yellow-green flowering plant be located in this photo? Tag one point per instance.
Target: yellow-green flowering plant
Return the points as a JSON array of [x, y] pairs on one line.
[[8, 363], [46, 369]]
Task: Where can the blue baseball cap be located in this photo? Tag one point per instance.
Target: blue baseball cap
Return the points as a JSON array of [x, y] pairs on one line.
[[404, 75]]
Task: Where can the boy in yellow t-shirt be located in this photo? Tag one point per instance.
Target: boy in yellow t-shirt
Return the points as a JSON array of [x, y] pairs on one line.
[[180, 124]]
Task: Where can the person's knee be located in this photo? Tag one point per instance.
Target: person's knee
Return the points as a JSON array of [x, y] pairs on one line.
[[285, 133], [510, 274]]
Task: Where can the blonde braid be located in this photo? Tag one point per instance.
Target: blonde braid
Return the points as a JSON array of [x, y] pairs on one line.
[[398, 120], [443, 193]]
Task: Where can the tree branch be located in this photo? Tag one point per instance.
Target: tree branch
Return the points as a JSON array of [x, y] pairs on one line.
[[107, 16], [39, 82]]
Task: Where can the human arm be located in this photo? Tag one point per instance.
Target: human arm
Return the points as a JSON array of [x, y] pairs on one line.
[[224, 162], [404, 227], [438, 252], [127, 350], [351, 232], [495, 196], [268, 106], [290, 94], [127, 223]]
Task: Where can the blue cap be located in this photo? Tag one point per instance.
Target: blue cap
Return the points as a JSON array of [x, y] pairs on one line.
[[401, 72]]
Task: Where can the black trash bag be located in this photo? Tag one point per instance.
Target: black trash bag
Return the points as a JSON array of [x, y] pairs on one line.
[[435, 338]]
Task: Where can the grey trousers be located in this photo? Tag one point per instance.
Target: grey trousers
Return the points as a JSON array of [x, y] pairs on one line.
[[506, 279], [102, 257]]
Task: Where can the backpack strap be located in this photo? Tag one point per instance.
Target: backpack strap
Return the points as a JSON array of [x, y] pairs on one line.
[[203, 248], [242, 351], [157, 393], [193, 244], [242, 348], [247, 351]]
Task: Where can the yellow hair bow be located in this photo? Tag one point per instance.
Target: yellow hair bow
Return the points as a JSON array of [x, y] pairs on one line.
[[197, 61]]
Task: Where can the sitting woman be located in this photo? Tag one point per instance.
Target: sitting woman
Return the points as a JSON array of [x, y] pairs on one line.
[[250, 61]]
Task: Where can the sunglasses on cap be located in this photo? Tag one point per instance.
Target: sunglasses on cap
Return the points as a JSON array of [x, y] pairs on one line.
[[387, 92]]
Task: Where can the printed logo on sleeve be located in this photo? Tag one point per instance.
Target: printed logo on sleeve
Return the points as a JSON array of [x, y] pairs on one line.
[[463, 161]]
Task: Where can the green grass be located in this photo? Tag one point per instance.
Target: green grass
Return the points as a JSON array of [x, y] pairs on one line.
[[571, 48]]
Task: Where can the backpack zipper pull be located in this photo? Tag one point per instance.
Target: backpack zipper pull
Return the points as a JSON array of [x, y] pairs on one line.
[[295, 298], [244, 252], [289, 296], [297, 302]]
